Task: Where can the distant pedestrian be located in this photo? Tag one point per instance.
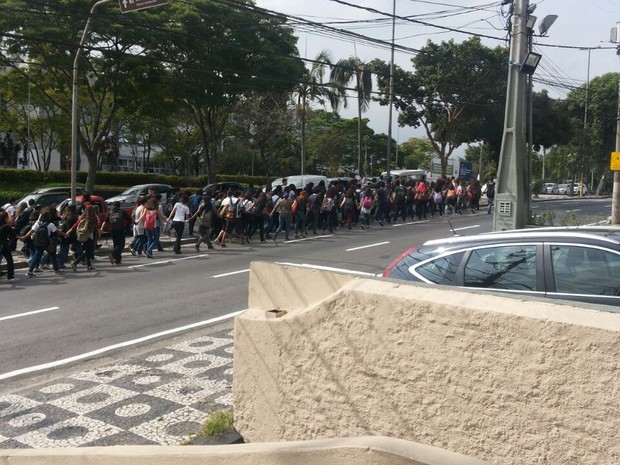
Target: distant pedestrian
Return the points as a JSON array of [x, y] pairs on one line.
[[117, 221], [490, 194], [178, 216], [7, 235]]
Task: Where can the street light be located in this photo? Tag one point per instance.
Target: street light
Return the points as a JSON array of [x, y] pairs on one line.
[[74, 98]]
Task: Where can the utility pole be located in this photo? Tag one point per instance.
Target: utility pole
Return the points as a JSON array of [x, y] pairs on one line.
[[615, 199], [391, 96], [510, 198]]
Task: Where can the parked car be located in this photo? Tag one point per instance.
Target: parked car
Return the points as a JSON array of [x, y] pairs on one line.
[[223, 187], [572, 263], [96, 200], [577, 188], [551, 188], [50, 195], [563, 189], [129, 197]]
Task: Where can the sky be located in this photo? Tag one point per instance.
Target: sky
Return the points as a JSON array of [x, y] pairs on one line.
[[582, 24]]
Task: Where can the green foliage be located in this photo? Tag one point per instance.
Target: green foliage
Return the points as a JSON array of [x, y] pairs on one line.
[[20, 182], [217, 423], [456, 92]]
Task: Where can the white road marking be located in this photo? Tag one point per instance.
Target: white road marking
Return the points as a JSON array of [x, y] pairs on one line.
[[467, 227], [290, 241], [367, 246], [575, 210], [327, 268], [34, 312], [102, 350], [223, 275], [172, 260]]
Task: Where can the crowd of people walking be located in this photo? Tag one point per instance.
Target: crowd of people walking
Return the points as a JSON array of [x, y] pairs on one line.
[[54, 239]]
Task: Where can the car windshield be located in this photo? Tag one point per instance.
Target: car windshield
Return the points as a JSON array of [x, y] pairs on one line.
[[135, 190]]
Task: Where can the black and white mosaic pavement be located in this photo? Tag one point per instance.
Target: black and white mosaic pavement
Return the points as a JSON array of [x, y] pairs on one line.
[[160, 397]]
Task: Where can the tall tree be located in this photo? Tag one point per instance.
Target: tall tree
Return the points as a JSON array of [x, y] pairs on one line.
[[312, 87], [221, 51], [455, 93], [593, 142], [353, 69]]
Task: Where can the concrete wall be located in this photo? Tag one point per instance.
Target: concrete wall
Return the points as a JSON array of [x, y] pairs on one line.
[[500, 379], [345, 451]]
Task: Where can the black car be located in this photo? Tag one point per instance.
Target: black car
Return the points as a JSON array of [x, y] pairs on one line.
[[50, 195], [223, 187], [570, 263]]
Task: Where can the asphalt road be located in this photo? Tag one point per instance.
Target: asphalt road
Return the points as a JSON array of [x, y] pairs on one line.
[[53, 322]]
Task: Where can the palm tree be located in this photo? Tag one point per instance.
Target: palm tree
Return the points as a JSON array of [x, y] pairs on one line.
[[311, 87], [342, 74]]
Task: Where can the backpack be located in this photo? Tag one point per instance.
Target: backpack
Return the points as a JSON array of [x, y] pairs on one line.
[[41, 237], [170, 203], [149, 220], [348, 204], [367, 203], [195, 201], [207, 215], [490, 190], [400, 194], [240, 210], [83, 230], [22, 220], [117, 220]]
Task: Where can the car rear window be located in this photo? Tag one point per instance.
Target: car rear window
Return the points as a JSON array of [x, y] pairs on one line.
[[442, 270]]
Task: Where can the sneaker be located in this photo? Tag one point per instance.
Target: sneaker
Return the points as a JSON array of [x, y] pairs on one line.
[[197, 248], [30, 274], [132, 252], [59, 271], [74, 266], [38, 270], [90, 268], [209, 247], [149, 255], [111, 258], [11, 280]]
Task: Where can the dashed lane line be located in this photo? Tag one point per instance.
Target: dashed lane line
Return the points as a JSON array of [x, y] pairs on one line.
[[34, 312], [172, 260], [223, 275], [367, 246]]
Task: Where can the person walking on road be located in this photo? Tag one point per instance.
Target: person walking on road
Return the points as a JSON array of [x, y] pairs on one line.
[[179, 215], [117, 220], [87, 228], [204, 214], [7, 235]]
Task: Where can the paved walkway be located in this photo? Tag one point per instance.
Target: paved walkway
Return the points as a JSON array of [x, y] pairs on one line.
[[159, 397]]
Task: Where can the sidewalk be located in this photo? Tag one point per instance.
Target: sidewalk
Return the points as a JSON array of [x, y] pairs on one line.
[[159, 397]]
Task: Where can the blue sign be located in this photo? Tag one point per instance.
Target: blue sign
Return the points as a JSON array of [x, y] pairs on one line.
[[465, 169]]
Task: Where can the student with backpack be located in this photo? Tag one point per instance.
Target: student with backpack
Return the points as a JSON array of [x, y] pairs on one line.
[[365, 208], [41, 233], [86, 229], [204, 215], [149, 216], [7, 235], [117, 219]]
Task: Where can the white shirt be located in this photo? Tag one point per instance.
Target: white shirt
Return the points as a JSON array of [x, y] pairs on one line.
[[10, 209], [181, 212], [51, 227]]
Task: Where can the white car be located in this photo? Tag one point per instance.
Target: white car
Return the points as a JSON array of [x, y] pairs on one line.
[[563, 189], [550, 188], [577, 188]]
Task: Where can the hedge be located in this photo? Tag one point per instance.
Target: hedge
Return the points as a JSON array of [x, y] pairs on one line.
[[122, 179]]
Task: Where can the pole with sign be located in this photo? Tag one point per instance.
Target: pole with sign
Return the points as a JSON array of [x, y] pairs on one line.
[[135, 5], [614, 166]]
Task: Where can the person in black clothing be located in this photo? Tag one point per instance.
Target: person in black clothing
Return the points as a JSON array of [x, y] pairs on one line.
[[7, 234], [117, 220]]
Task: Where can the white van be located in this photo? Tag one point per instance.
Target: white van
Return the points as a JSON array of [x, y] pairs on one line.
[[405, 175], [300, 181]]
